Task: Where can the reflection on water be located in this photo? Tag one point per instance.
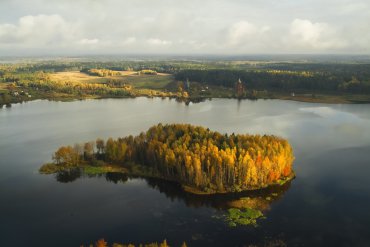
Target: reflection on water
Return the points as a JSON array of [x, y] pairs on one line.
[[116, 177], [326, 205], [68, 175], [256, 199], [72, 175]]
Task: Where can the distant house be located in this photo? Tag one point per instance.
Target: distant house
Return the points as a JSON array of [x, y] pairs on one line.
[[239, 89]]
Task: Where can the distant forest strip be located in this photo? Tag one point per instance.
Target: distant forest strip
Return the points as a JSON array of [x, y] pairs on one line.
[[283, 80], [348, 82], [201, 160]]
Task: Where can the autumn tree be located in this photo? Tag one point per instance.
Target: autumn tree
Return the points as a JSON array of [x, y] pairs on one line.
[[101, 243], [66, 156], [195, 156], [100, 145], [88, 150]]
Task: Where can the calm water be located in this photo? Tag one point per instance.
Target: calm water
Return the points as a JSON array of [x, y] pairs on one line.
[[326, 205]]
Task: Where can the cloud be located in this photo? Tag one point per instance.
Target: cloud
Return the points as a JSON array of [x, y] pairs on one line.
[[310, 35], [167, 26], [158, 42], [239, 32], [244, 31], [37, 30], [129, 40], [89, 41]]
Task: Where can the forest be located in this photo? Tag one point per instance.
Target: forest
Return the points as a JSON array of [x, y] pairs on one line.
[[315, 81], [283, 80], [201, 160]]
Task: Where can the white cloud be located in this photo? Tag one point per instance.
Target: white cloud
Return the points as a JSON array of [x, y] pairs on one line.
[[310, 35], [158, 42], [37, 30], [89, 41], [244, 33], [210, 26], [241, 31]]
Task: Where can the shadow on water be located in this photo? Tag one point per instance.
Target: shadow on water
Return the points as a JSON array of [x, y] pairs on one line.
[[72, 175], [256, 199], [68, 176]]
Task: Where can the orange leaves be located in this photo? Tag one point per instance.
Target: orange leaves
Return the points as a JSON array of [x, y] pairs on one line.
[[273, 176], [66, 156], [101, 243], [197, 156], [287, 170], [188, 160], [170, 157], [196, 163], [244, 159]]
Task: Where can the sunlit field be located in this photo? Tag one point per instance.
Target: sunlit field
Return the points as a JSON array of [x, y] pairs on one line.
[[159, 81]]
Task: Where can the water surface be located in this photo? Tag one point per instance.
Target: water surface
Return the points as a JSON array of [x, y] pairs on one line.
[[326, 205]]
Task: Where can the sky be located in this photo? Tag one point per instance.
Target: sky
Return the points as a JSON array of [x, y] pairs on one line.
[[221, 27]]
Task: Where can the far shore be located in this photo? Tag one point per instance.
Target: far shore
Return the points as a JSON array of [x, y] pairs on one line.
[[304, 97]]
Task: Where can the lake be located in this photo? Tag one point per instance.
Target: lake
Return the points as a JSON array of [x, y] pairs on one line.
[[327, 204]]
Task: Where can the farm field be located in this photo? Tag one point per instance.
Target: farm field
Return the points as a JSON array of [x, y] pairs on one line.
[[159, 81]]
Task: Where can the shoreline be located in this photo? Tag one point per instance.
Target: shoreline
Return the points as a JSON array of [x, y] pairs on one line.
[[318, 99], [137, 171]]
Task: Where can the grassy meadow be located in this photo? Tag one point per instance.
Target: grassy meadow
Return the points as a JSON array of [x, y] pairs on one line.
[[159, 81]]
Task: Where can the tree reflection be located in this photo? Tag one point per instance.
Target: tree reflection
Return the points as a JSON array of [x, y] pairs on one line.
[[116, 177], [256, 199], [68, 176], [71, 175]]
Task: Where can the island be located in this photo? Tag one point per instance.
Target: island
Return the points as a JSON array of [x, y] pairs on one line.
[[200, 160]]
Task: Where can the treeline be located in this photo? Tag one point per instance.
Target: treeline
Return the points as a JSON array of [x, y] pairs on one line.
[[109, 72], [101, 72], [45, 84], [345, 81], [194, 156], [160, 66], [49, 66], [147, 72], [325, 77]]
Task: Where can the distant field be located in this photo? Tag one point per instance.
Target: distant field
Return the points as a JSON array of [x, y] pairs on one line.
[[77, 76], [3, 88], [158, 81]]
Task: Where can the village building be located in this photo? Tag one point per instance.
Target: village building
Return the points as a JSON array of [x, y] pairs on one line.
[[239, 89]]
